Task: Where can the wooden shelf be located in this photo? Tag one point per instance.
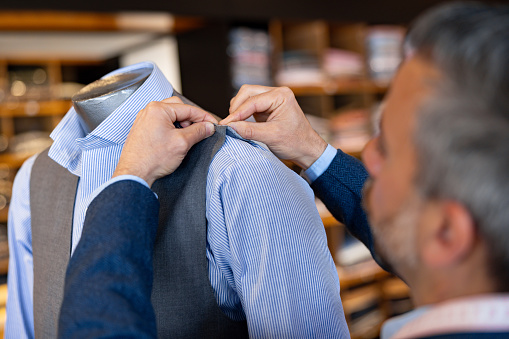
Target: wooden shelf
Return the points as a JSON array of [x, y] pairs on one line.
[[67, 21], [14, 160], [23, 60], [356, 154], [3, 214], [56, 21], [330, 221], [35, 108], [341, 87], [4, 265], [361, 273], [395, 288]]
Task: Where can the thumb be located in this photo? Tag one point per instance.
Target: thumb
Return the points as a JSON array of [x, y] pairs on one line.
[[197, 132], [258, 131]]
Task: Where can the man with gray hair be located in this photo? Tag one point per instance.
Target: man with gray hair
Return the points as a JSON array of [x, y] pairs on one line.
[[437, 195], [438, 192]]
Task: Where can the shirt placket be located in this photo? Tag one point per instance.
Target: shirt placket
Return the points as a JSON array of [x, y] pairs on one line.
[[96, 165]]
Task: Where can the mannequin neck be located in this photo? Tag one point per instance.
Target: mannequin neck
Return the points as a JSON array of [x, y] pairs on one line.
[[96, 101]]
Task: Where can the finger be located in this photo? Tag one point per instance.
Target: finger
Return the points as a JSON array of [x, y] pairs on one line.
[[173, 100], [253, 131], [197, 132], [265, 102], [245, 92], [185, 124], [177, 100], [183, 112]]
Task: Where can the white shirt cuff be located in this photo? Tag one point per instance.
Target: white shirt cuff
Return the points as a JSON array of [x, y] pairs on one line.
[[320, 165], [101, 188]]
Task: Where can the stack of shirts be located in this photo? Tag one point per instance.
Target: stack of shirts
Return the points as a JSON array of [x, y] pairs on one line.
[[300, 68], [338, 63], [249, 52], [385, 52]]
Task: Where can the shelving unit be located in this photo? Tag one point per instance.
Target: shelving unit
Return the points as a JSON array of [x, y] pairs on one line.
[[38, 111], [341, 87], [45, 106], [367, 291], [316, 38], [313, 50]]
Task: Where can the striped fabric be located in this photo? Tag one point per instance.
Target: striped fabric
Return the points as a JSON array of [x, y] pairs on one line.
[[321, 164], [267, 251], [483, 315]]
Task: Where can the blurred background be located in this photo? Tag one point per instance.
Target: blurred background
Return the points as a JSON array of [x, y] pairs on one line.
[[338, 57]]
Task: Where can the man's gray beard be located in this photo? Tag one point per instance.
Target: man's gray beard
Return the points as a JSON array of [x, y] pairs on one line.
[[394, 237]]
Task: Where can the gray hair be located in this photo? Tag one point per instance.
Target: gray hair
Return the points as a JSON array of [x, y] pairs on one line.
[[462, 131]]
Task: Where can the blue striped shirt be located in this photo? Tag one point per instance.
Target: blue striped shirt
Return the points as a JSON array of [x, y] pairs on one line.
[[266, 246]]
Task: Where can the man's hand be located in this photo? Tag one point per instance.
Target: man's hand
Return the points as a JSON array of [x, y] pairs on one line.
[[155, 148], [281, 124]]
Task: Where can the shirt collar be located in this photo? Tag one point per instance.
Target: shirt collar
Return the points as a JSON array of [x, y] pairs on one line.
[[474, 314], [117, 126], [70, 136], [394, 325]]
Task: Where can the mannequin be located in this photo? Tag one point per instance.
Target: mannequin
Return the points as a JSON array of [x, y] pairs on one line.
[[96, 101], [57, 196], [62, 179]]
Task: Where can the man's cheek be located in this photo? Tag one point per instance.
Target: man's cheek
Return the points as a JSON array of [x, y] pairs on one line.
[[377, 202]]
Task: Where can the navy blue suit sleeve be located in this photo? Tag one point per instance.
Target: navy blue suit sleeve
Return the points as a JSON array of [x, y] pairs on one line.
[[340, 189], [109, 279], [472, 335]]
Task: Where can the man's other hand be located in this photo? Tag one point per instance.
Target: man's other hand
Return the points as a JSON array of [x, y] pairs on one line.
[[154, 147], [281, 124]]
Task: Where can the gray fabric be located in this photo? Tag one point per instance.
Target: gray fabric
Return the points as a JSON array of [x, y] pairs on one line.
[[184, 99], [182, 296], [52, 193]]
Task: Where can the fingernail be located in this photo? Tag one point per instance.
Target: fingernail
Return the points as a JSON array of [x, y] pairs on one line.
[[210, 128]]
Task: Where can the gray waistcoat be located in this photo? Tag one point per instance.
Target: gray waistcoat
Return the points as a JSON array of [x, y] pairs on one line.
[[182, 296]]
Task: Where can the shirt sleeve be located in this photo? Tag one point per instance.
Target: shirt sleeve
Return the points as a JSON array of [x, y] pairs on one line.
[[20, 279], [280, 265], [320, 165]]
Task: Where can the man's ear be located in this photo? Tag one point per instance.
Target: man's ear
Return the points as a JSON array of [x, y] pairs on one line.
[[450, 237]]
